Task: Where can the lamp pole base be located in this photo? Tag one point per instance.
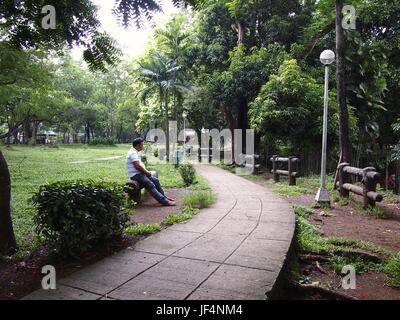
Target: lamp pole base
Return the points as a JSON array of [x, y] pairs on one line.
[[323, 196]]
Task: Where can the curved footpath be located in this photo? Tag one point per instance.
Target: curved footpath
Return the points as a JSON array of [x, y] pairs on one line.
[[235, 250]]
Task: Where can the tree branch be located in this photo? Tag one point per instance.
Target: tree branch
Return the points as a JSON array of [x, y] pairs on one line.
[[330, 27]]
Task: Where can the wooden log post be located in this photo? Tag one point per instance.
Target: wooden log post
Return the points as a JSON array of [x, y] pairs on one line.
[[275, 168], [134, 191], [291, 167], [199, 155], [369, 184], [342, 180]]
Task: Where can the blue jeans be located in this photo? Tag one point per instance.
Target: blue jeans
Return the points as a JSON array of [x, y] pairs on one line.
[[153, 186]]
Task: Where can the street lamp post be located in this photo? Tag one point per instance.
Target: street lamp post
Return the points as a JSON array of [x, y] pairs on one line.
[[327, 57], [184, 115]]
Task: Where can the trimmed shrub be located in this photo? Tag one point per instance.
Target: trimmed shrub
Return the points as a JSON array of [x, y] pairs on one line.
[[188, 174], [74, 216], [102, 142]]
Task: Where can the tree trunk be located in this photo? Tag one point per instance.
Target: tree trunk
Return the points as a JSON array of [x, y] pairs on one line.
[[167, 126], [341, 85], [26, 131], [240, 31], [231, 124], [34, 133], [7, 237], [87, 133], [243, 122], [396, 189]]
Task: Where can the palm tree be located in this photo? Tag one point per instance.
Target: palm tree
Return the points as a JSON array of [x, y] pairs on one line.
[[162, 77]]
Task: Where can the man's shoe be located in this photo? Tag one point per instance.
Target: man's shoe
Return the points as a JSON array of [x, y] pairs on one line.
[[169, 204]]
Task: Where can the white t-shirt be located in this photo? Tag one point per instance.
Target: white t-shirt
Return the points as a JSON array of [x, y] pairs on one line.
[[131, 157]]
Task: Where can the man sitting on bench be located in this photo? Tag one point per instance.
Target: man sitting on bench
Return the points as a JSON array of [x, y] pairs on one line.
[[138, 172]]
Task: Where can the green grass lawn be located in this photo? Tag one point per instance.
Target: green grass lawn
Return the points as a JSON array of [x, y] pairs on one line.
[[32, 167]]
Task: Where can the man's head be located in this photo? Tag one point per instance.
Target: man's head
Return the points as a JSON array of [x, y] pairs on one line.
[[138, 144]]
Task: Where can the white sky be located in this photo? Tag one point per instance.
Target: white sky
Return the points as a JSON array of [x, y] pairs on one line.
[[133, 42]]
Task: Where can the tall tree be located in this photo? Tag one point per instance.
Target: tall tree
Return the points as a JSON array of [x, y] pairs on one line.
[[341, 84], [161, 76], [7, 238]]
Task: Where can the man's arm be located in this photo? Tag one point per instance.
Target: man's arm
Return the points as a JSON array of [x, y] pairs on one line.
[[141, 169]]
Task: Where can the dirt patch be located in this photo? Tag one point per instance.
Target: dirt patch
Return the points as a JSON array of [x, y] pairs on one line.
[[150, 211], [369, 286], [349, 222], [19, 278]]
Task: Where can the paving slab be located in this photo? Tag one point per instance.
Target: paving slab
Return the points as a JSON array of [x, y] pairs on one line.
[[174, 278], [112, 272], [166, 242], [62, 293], [211, 247], [238, 283]]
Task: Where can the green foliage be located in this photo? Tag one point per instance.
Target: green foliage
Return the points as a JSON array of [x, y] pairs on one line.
[[360, 265], [292, 191], [72, 216], [186, 214], [377, 212], [142, 229], [188, 174], [393, 271], [303, 211], [199, 199], [102, 142], [289, 105]]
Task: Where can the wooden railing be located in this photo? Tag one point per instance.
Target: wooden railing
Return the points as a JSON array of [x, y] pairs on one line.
[[292, 166], [370, 178]]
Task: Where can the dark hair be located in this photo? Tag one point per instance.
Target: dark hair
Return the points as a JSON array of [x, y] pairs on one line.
[[137, 141]]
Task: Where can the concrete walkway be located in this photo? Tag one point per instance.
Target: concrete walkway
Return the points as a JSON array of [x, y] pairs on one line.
[[234, 250]]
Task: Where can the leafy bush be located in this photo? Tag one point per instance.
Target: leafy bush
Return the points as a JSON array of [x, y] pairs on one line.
[[188, 174], [102, 141], [73, 216], [393, 271]]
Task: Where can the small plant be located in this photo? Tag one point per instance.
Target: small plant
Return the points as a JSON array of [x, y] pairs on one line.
[[199, 199], [321, 205], [372, 211], [344, 201], [303, 211], [292, 191], [73, 216], [361, 266], [188, 174], [142, 229], [187, 214], [392, 269]]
